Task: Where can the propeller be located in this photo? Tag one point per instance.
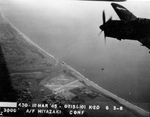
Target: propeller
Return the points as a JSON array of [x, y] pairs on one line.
[[100, 33], [102, 27], [104, 18]]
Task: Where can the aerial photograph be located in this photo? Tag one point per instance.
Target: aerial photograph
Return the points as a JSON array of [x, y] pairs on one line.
[[74, 58]]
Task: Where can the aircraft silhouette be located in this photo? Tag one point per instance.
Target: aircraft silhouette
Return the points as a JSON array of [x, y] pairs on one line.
[[129, 27]]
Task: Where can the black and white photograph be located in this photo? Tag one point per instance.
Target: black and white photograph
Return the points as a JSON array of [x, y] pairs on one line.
[[74, 58]]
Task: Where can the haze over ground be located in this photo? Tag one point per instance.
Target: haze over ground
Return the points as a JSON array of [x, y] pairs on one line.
[[69, 31]]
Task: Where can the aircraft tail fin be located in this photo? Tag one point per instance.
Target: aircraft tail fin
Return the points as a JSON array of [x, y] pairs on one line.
[[123, 13]]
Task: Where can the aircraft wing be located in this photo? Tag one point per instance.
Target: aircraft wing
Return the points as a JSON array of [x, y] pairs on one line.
[[30, 74], [123, 13], [145, 42]]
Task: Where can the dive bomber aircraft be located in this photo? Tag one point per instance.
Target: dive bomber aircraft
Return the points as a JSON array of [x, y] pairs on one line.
[[129, 27]]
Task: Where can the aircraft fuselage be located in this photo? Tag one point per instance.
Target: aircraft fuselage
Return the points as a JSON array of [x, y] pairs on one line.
[[132, 30]]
